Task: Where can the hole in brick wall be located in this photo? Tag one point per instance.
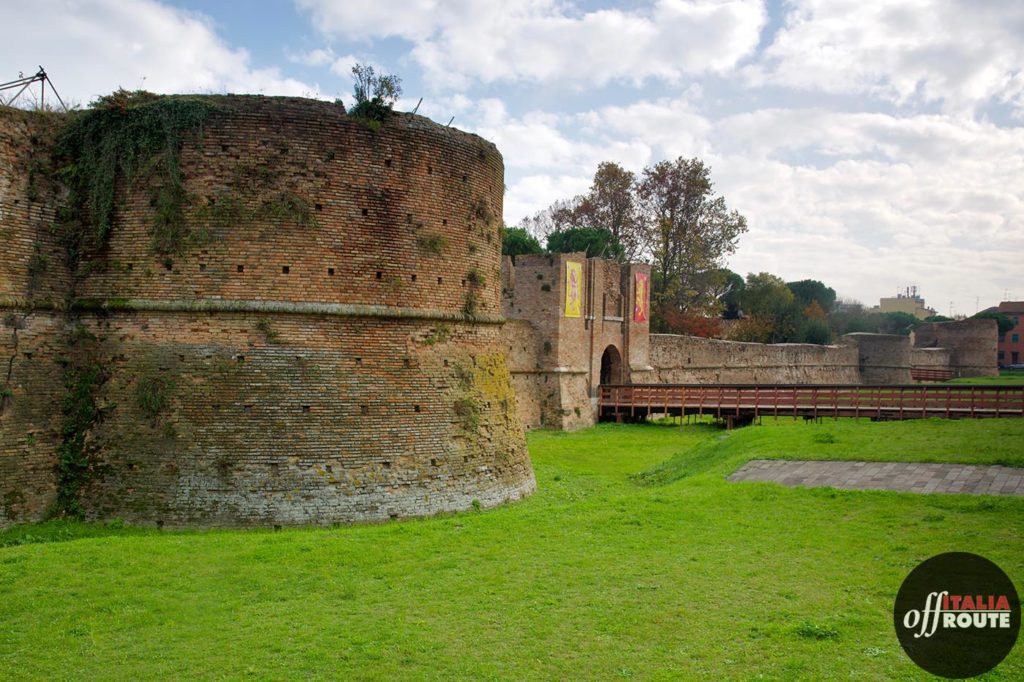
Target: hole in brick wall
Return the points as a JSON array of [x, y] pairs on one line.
[[440, 280], [168, 266], [387, 465], [393, 516], [305, 408], [366, 211], [131, 266], [444, 221], [387, 162], [408, 218], [202, 267], [240, 358], [415, 408], [433, 462], [488, 237], [181, 358], [364, 409], [413, 277], [465, 459], [247, 408], [223, 147], [430, 170], [330, 272], [285, 269], [465, 178], [132, 466], [240, 268], [28, 356], [379, 274], [446, 363], [463, 282], [359, 361], [216, 408], [407, 363], [318, 207]]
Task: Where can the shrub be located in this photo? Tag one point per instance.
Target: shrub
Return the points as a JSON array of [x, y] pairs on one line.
[[375, 94]]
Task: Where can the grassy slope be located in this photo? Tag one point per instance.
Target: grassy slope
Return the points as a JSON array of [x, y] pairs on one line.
[[599, 575]]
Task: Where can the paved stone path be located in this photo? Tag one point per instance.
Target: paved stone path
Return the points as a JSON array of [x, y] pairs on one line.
[[901, 476]]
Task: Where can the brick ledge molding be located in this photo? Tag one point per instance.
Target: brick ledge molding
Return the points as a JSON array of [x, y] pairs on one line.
[[203, 305]]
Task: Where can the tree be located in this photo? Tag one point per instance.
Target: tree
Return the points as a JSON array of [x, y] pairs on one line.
[[808, 290], [611, 205], [516, 241], [1004, 322], [375, 94], [596, 242], [560, 215], [689, 231], [767, 299], [815, 330], [732, 292]]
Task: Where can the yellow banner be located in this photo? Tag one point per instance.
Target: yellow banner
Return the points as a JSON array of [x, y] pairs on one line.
[[573, 289]]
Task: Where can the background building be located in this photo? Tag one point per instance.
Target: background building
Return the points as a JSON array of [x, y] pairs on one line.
[[1011, 344], [907, 301]]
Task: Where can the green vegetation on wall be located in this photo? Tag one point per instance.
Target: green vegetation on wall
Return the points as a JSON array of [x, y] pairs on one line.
[[80, 412], [121, 137]]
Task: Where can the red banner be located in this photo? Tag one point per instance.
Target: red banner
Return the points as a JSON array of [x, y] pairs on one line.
[[641, 296]]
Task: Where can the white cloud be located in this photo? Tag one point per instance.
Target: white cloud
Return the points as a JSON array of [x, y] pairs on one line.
[[865, 202], [342, 66], [318, 57], [958, 52], [91, 47], [457, 42]]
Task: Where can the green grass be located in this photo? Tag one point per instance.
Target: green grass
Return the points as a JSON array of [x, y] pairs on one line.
[[1005, 378], [605, 573]]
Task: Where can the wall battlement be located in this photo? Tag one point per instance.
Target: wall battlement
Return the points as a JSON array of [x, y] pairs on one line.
[[324, 347]]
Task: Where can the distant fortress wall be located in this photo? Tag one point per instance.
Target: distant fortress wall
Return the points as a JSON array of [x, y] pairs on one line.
[[559, 361]]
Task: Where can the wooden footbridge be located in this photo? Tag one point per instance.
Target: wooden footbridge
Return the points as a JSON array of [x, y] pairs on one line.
[[742, 403]]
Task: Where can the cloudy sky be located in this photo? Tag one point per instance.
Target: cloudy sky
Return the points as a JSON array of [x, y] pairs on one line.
[[871, 144]]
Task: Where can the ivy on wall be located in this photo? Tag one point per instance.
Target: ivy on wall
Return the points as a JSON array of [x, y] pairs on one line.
[[124, 136]]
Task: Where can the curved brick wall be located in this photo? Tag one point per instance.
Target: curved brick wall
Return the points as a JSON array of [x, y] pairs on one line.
[[31, 338], [403, 215], [314, 364]]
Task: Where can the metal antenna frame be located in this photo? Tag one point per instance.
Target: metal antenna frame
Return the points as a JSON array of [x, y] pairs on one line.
[[25, 81]]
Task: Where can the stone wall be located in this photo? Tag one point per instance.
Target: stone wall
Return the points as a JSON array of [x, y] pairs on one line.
[[883, 358], [930, 358], [972, 345], [695, 360], [339, 363], [32, 283]]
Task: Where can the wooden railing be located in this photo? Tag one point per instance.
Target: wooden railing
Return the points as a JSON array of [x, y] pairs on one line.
[[930, 374], [811, 401]]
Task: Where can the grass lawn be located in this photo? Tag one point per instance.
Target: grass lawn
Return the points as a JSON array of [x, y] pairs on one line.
[[1005, 378], [634, 560]]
